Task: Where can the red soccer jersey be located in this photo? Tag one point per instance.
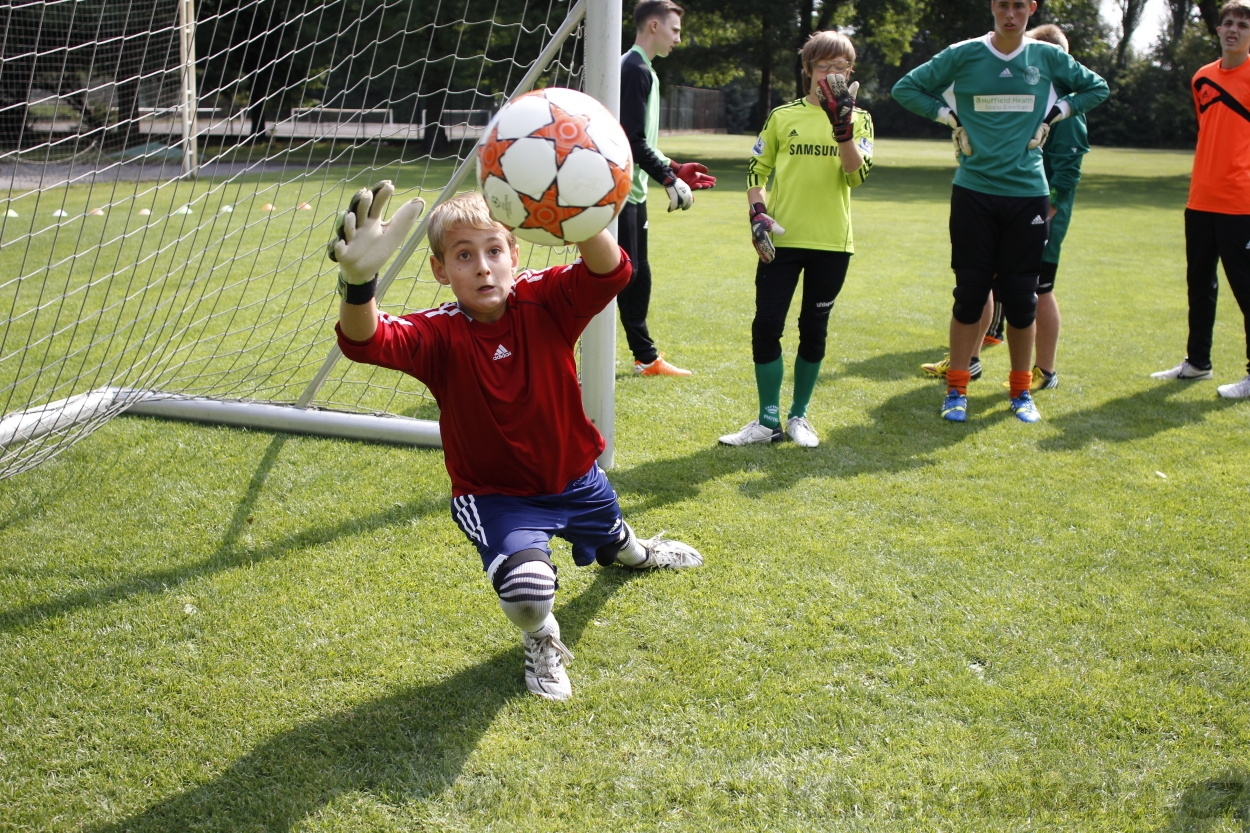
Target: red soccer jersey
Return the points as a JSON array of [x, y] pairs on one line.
[[1221, 179], [511, 403]]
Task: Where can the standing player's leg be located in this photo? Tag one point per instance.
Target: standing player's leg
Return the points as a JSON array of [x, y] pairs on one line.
[[775, 283], [1045, 376], [1234, 239], [1023, 239], [634, 300], [1201, 258], [824, 273]]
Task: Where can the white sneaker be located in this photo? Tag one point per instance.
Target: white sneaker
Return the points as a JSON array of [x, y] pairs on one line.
[[545, 658], [1237, 390], [752, 433], [667, 554], [1185, 371], [801, 432]]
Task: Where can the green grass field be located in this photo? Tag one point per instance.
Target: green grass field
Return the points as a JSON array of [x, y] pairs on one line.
[[917, 626]]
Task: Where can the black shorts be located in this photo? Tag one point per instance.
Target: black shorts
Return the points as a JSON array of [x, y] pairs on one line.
[[997, 235]]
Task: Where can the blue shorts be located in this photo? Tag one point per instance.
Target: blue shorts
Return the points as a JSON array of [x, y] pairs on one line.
[[585, 514]]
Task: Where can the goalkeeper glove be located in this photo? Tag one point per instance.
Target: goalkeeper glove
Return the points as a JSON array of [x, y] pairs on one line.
[[838, 102], [1058, 112], [959, 136], [679, 195], [362, 243], [762, 229], [694, 175]]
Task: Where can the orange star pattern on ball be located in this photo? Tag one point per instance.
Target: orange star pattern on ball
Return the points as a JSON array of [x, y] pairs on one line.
[[567, 134], [490, 154], [544, 213]]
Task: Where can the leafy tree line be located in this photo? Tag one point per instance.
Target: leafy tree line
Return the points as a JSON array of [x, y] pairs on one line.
[[263, 57], [748, 48]]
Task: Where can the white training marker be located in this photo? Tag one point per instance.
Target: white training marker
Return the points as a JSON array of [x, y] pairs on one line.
[[186, 209], [226, 209], [99, 212], [60, 213], [143, 212], [305, 207], [11, 213], [267, 207]]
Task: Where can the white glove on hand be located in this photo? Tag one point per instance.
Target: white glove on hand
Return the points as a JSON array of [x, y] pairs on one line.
[[679, 193], [959, 136], [1059, 112], [362, 243]]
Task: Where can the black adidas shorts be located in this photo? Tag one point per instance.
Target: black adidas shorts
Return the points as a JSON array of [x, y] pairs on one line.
[[997, 235]]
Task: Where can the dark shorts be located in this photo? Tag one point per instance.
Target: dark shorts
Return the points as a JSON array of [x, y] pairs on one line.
[[995, 234], [586, 514]]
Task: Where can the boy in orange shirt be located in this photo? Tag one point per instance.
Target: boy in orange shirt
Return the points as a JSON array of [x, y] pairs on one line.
[[1217, 215]]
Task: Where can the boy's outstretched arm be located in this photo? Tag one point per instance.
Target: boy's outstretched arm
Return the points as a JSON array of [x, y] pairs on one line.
[[361, 246], [600, 253]]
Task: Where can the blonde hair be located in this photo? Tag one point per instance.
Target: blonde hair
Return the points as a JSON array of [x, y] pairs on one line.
[[1050, 33], [464, 209], [825, 46]]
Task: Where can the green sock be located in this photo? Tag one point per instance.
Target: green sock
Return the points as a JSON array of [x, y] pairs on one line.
[[768, 384], [805, 375]]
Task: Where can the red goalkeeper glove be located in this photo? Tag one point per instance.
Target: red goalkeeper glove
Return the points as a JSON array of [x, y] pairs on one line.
[[838, 102], [694, 175]]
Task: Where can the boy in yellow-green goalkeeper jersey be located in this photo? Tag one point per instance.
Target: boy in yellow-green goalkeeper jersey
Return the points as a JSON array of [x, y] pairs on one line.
[[808, 212]]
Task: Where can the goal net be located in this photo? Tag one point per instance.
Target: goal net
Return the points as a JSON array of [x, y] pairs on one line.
[[170, 174]]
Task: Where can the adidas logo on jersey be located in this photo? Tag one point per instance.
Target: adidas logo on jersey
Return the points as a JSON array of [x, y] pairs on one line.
[[1006, 73], [501, 352], [793, 133], [1037, 221]]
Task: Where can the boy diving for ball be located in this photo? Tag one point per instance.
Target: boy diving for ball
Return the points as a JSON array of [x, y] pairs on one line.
[[500, 362]]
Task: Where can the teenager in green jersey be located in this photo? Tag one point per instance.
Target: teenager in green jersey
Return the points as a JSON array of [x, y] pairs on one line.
[[808, 209], [1062, 155], [1000, 94]]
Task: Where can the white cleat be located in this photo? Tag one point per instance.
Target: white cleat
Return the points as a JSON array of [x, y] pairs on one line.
[[545, 659], [753, 432], [1184, 371], [667, 554], [801, 432], [1237, 390]]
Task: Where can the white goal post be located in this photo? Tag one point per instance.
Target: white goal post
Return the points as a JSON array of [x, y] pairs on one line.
[[162, 242]]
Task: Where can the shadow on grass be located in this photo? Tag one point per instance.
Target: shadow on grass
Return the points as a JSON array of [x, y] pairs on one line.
[[1133, 417], [904, 432], [401, 748], [1207, 805], [228, 555]]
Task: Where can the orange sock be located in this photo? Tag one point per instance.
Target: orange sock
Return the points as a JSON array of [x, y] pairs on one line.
[[959, 379], [1020, 381]]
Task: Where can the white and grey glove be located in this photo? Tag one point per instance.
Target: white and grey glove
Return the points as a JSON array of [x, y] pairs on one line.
[[679, 193], [363, 243], [1060, 111], [959, 136], [763, 228]]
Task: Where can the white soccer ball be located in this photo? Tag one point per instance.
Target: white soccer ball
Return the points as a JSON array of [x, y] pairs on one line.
[[555, 166]]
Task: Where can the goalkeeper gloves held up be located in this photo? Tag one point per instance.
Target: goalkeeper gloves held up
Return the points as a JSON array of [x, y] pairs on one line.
[[1058, 112], [959, 136], [762, 229], [838, 102], [363, 243], [694, 175]]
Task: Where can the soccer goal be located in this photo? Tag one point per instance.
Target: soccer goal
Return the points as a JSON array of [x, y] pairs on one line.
[[170, 173]]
